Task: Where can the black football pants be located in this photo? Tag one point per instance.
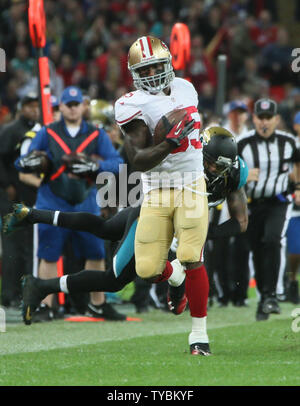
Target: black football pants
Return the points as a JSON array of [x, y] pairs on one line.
[[266, 233]]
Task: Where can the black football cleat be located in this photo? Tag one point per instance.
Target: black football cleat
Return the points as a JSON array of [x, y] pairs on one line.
[[31, 297], [176, 298], [270, 305], [16, 219], [200, 349], [261, 315], [105, 311]]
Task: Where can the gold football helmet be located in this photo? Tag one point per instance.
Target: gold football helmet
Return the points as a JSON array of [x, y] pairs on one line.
[[148, 51], [102, 113]]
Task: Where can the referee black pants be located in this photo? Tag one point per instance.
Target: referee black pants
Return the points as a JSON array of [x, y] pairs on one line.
[[268, 221]]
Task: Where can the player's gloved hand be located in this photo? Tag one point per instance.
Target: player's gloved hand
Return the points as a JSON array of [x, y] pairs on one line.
[[179, 131], [36, 161]]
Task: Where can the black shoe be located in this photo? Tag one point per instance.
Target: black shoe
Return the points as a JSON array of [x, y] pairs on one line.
[[176, 298], [260, 314], [222, 304], [240, 303], [43, 313], [105, 311], [293, 292], [270, 305], [223, 301], [142, 309], [200, 349], [31, 297]]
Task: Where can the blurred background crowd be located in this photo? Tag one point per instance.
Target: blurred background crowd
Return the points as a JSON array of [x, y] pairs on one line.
[[88, 41]]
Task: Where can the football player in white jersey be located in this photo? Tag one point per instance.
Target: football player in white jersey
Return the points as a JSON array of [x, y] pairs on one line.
[[181, 209]]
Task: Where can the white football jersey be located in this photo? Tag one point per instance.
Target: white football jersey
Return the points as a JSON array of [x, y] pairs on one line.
[[185, 163]]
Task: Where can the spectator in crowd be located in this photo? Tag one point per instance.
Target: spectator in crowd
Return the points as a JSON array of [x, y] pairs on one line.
[[55, 108], [67, 189], [293, 234], [22, 59], [270, 202], [240, 45], [237, 117], [200, 70], [289, 107], [263, 31], [249, 79], [97, 37], [66, 69], [113, 70], [209, 23], [5, 114], [16, 256], [87, 78], [207, 99], [10, 96], [276, 60]]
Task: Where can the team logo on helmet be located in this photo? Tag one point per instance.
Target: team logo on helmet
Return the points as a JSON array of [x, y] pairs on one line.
[[206, 136]]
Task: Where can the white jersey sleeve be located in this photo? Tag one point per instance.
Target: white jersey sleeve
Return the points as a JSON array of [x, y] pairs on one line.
[[127, 108]]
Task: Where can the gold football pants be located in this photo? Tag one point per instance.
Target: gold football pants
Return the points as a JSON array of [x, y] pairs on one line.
[[169, 212]]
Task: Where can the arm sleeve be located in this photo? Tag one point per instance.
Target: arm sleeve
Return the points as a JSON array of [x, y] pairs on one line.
[[243, 173]]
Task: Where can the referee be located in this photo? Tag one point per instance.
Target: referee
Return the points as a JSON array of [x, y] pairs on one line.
[[270, 155]]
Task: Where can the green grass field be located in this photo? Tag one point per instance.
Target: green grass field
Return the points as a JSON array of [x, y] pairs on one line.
[[154, 351]]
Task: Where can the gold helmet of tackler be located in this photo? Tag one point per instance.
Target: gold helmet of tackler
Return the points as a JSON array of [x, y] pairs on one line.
[[145, 51], [102, 113]]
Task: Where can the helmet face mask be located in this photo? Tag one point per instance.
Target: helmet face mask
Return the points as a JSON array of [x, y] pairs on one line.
[[148, 51]]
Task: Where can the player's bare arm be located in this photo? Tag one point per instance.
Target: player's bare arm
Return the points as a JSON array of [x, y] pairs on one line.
[[141, 152], [237, 206]]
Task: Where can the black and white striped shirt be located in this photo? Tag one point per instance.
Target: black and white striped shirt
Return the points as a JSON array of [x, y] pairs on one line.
[[274, 156]]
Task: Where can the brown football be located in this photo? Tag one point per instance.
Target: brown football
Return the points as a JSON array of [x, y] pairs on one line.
[[72, 158], [174, 117], [45, 165]]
